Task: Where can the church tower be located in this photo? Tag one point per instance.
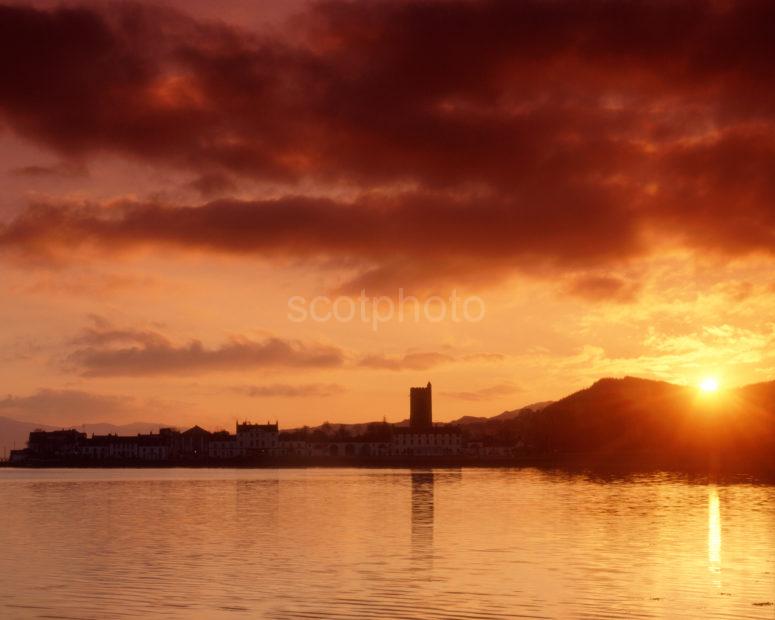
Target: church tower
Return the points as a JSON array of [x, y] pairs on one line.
[[420, 407]]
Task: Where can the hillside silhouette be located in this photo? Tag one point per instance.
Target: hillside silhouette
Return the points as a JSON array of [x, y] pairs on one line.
[[631, 416]]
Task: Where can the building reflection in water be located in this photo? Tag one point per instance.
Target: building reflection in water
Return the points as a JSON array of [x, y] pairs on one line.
[[714, 530], [257, 512], [422, 517]]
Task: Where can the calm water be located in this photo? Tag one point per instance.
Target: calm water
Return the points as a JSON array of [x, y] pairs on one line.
[[349, 543]]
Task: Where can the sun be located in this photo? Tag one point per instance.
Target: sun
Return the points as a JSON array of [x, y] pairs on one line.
[[709, 385]]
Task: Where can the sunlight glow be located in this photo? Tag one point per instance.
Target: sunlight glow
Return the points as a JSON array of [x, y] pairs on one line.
[[709, 384]]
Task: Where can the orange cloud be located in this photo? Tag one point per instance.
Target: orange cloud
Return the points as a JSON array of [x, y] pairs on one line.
[[109, 352], [282, 390], [104, 350]]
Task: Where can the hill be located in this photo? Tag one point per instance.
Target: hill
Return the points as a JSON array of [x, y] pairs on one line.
[[510, 415], [638, 415], [506, 415]]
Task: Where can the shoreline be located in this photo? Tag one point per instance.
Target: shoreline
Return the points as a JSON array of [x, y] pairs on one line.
[[576, 462]]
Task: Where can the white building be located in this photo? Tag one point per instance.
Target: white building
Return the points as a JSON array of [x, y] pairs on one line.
[[258, 439], [123, 447], [433, 441], [224, 447], [295, 448], [95, 451]]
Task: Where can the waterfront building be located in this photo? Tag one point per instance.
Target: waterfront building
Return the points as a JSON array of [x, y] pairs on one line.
[[295, 447], [55, 443], [255, 441], [152, 448], [223, 445], [18, 457], [434, 441], [123, 448], [96, 447], [352, 448], [193, 443], [258, 439]]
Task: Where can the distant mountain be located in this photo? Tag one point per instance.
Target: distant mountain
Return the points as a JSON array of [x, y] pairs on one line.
[[469, 419], [15, 432], [506, 415], [510, 415]]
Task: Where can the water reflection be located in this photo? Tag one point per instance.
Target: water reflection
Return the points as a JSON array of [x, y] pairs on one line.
[[256, 513], [422, 518], [714, 530], [332, 544]]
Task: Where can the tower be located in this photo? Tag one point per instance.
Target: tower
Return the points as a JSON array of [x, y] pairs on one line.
[[420, 407]]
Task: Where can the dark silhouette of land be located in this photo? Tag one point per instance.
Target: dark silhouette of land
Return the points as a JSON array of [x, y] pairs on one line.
[[615, 422]]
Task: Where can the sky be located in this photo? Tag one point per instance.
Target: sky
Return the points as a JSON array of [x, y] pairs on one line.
[[295, 211]]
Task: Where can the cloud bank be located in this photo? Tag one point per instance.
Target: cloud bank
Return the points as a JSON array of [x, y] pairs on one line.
[[486, 137]]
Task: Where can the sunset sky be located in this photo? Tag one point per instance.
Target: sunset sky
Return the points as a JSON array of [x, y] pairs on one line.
[[599, 175]]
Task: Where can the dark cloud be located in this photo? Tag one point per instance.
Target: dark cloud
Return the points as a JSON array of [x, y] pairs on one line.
[[282, 390], [109, 352], [604, 288], [410, 361], [104, 350], [498, 92], [57, 170], [213, 184], [424, 360], [103, 334], [389, 236], [521, 133]]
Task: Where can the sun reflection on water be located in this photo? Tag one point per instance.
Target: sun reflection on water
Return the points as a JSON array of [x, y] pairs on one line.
[[714, 530]]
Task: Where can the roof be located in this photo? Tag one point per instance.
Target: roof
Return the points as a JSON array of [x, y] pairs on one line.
[[267, 428], [196, 430]]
